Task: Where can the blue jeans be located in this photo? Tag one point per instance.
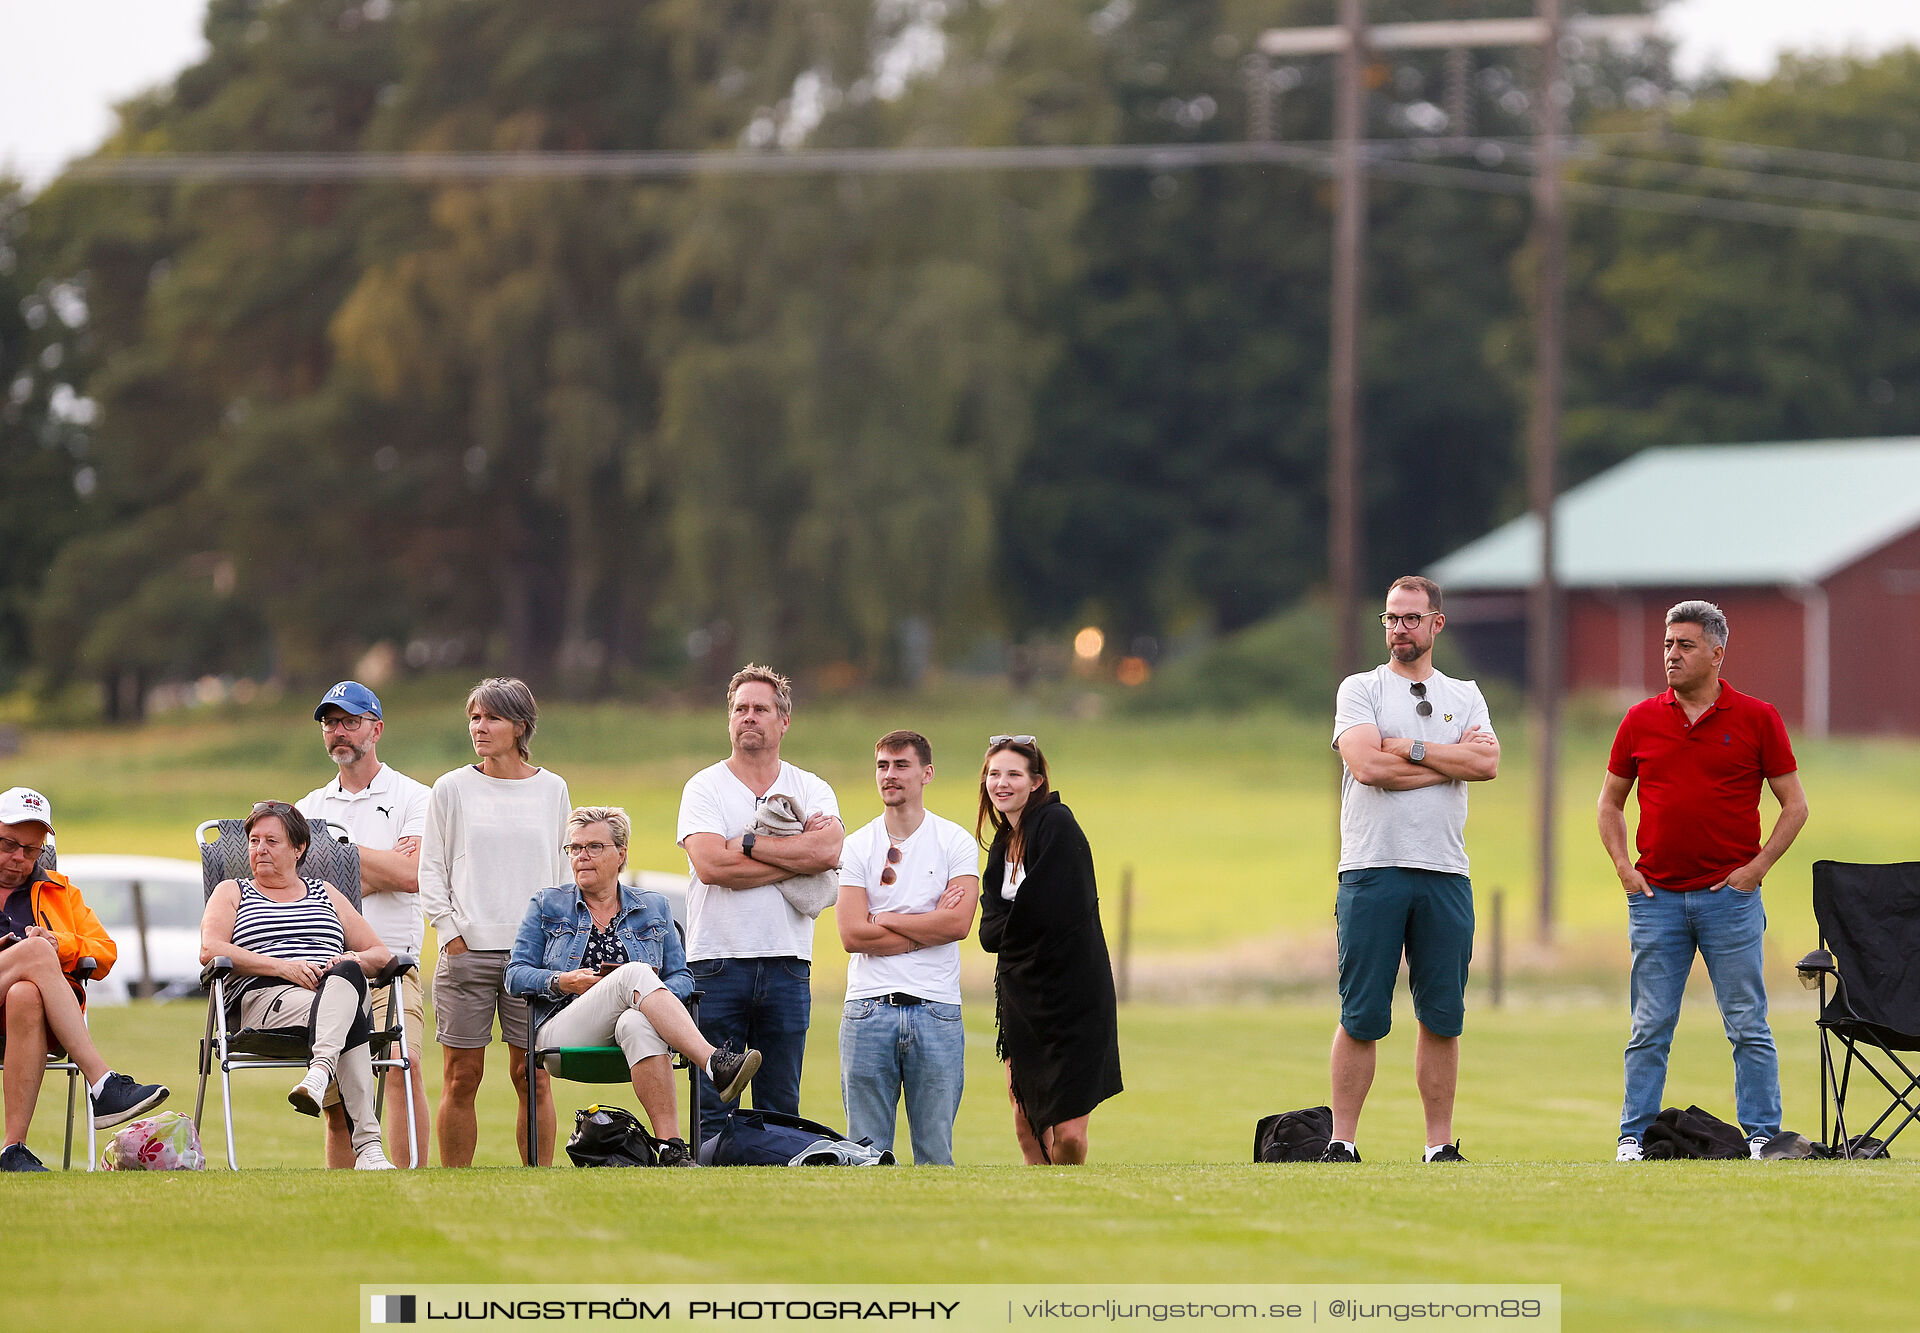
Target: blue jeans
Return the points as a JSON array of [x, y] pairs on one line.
[[887, 1047], [762, 1003], [1726, 927]]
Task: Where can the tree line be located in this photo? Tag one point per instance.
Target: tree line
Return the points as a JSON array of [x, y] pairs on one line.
[[605, 433]]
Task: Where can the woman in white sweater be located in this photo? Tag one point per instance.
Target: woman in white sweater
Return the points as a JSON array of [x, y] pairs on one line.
[[492, 841]]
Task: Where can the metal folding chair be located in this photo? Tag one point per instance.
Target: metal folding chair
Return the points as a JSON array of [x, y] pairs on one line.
[[598, 1064], [82, 973], [223, 856], [1869, 920]]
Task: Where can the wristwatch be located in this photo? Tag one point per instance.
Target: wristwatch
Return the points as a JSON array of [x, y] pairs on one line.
[[1418, 753], [746, 844]]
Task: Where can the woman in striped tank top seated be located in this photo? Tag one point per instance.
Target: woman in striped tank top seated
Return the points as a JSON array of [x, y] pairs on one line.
[[302, 956]]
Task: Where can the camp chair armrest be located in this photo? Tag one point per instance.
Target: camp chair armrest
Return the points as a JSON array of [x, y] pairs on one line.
[[401, 964], [219, 967], [84, 969]]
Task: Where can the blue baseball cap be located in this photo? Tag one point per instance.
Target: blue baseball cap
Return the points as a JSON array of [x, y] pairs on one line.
[[349, 696]]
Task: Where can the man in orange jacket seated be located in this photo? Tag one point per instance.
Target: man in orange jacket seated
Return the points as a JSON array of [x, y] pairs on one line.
[[46, 928]]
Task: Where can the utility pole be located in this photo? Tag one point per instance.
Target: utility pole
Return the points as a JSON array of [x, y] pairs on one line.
[[1344, 552], [1544, 649], [1350, 41]]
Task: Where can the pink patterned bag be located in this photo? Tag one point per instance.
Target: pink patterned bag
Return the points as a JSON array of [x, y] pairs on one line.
[[164, 1142]]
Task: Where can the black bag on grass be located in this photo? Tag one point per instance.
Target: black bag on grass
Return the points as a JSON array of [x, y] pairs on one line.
[[1693, 1133], [610, 1136], [1293, 1136]]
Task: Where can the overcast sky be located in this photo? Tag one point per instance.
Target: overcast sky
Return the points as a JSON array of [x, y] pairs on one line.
[[54, 106]]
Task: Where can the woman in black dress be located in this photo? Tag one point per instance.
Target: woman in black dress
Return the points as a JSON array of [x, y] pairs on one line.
[[1053, 985]]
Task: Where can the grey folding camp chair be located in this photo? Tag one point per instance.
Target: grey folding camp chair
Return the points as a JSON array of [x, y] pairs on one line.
[[82, 973], [223, 856]]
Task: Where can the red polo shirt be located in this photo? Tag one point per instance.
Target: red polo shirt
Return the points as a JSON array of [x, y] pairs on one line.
[[1699, 784]]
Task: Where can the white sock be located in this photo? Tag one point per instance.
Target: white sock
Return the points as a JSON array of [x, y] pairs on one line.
[[1342, 1143], [1433, 1148], [710, 1059], [95, 1089]]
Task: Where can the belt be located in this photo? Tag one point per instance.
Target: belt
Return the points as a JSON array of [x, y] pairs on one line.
[[900, 997]]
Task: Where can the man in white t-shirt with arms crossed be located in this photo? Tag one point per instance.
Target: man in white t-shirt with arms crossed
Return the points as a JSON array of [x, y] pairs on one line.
[[384, 812], [750, 952], [909, 886], [1411, 738]]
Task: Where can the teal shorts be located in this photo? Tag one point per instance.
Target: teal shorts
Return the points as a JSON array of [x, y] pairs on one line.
[[1427, 915]]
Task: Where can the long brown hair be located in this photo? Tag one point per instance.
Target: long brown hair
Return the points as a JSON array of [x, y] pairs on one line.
[[990, 817]]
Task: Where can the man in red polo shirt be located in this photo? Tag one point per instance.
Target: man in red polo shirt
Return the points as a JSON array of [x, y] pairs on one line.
[[1700, 753]]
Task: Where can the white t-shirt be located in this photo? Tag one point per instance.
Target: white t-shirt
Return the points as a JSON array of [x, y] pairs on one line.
[[391, 807], [490, 845], [744, 923], [938, 852], [1423, 829]]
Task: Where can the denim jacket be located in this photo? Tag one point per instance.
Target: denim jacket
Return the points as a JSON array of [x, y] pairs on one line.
[[553, 939]]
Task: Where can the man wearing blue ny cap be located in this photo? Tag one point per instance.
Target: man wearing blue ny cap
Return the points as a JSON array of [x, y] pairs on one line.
[[385, 813]]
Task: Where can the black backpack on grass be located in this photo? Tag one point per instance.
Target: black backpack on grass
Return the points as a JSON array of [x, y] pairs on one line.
[[610, 1136], [1293, 1136]]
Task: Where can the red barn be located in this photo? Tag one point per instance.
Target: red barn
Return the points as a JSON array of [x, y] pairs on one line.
[[1812, 550]]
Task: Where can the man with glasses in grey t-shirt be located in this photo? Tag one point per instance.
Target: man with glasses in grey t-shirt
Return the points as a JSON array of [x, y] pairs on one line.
[[1411, 739]]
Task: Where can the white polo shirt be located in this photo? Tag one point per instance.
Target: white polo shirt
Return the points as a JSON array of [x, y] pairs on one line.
[[393, 806], [937, 853]]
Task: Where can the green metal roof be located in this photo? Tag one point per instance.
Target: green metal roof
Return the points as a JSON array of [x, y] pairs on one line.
[[1739, 514]]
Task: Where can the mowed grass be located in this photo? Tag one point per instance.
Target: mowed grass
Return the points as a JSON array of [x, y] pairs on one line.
[[1228, 825], [1171, 1196]]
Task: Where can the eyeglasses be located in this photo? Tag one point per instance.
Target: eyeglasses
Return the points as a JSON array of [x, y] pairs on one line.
[[345, 722], [573, 849], [1423, 708], [10, 846], [1013, 740], [1411, 620], [889, 875]]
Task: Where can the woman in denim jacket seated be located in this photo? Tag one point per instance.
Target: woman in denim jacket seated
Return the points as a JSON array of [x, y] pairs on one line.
[[603, 964]]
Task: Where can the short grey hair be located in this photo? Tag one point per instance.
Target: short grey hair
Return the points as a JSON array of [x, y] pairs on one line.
[[509, 698], [1706, 615], [611, 815]]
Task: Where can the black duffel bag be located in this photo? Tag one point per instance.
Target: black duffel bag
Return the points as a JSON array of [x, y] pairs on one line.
[[610, 1136], [1293, 1136]]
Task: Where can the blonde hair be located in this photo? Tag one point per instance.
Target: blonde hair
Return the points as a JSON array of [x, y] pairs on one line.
[[611, 815], [751, 674]]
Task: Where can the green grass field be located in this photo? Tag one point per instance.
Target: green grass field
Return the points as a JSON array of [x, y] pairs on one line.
[[1171, 1197]]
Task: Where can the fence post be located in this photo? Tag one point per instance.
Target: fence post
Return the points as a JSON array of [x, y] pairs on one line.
[[1125, 968], [140, 928], [1499, 978]]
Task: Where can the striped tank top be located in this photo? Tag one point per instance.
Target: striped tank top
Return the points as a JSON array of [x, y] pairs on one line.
[[306, 928]]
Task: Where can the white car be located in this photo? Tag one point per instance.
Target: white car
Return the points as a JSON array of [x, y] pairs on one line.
[[171, 894]]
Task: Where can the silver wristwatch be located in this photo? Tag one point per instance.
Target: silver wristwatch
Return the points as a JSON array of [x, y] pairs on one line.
[[1418, 752]]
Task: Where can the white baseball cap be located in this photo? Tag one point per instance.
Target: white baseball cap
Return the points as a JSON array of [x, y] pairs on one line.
[[24, 805]]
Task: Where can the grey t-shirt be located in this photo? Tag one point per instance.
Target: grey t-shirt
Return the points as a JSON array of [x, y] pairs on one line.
[[1424, 829]]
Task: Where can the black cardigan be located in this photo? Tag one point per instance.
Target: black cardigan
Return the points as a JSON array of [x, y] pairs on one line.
[[1053, 985]]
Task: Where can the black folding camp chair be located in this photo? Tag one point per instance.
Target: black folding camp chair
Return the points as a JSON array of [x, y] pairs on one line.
[[1867, 970], [223, 855], [82, 973], [597, 1064]]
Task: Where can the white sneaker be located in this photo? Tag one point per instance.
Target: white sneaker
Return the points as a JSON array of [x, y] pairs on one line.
[[370, 1158], [308, 1094], [1629, 1150]]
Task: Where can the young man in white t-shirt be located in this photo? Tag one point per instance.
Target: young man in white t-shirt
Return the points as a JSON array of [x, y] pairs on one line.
[[383, 812], [909, 885], [749, 950]]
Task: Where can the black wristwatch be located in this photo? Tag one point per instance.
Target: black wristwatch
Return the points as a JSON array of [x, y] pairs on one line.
[[1418, 753], [746, 844]]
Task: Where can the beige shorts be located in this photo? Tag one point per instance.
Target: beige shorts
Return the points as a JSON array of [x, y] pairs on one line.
[[469, 989]]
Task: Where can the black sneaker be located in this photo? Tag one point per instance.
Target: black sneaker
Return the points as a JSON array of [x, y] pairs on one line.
[[1447, 1152], [731, 1071], [674, 1152], [1339, 1152], [122, 1100], [17, 1157]]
